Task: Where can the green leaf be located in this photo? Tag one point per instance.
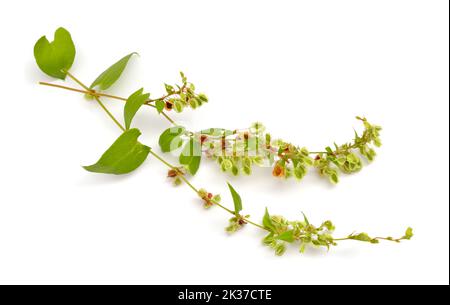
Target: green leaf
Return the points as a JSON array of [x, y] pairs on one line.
[[268, 240], [302, 248], [247, 170], [112, 74], [124, 156], [299, 172], [56, 57], [217, 132], [267, 221], [191, 156], [170, 139], [134, 102], [226, 165], [305, 219], [178, 106], [280, 249], [203, 98], [364, 237], [236, 199], [329, 226], [183, 77], [159, 104], [169, 88], [235, 170], [287, 236], [409, 234]]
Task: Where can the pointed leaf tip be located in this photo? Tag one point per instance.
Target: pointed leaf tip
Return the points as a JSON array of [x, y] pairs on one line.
[[267, 221], [112, 74], [133, 104], [123, 156], [236, 199]]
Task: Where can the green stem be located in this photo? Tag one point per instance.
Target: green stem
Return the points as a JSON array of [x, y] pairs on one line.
[[169, 119], [175, 168], [197, 191], [341, 239], [187, 181], [91, 92], [77, 81], [97, 99], [151, 151], [97, 96], [148, 103], [255, 224], [223, 207], [109, 113], [94, 94], [375, 238]]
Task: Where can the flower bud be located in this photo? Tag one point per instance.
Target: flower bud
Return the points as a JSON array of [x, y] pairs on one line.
[[278, 170], [172, 173], [177, 181], [203, 138], [168, 106]]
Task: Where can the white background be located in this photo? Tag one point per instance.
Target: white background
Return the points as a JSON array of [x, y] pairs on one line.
[[304, 68]]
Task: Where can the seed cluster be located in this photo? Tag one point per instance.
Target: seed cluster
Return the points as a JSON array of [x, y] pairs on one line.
[[238, 151]]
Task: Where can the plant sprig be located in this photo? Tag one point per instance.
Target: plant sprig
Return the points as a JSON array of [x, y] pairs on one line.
[[127, 153], [237, 151]]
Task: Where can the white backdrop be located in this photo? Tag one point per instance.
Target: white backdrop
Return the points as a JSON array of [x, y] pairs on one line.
[[304, 68]]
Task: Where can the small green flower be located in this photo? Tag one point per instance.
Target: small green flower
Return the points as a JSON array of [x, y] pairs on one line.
[[226, 165], [235, 223], [280, 249]]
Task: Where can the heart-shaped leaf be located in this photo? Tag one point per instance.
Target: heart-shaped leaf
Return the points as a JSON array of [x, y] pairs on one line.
[[112, 74], [56, 57], [191, 156], [170, 139], [124, 156], [134, 102]]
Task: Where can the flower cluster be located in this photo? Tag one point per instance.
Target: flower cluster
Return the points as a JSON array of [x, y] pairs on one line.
[[181, 96], [344, 157], [209, 199], [236, 223], [283, 232], [239, 150], [175, 175]]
